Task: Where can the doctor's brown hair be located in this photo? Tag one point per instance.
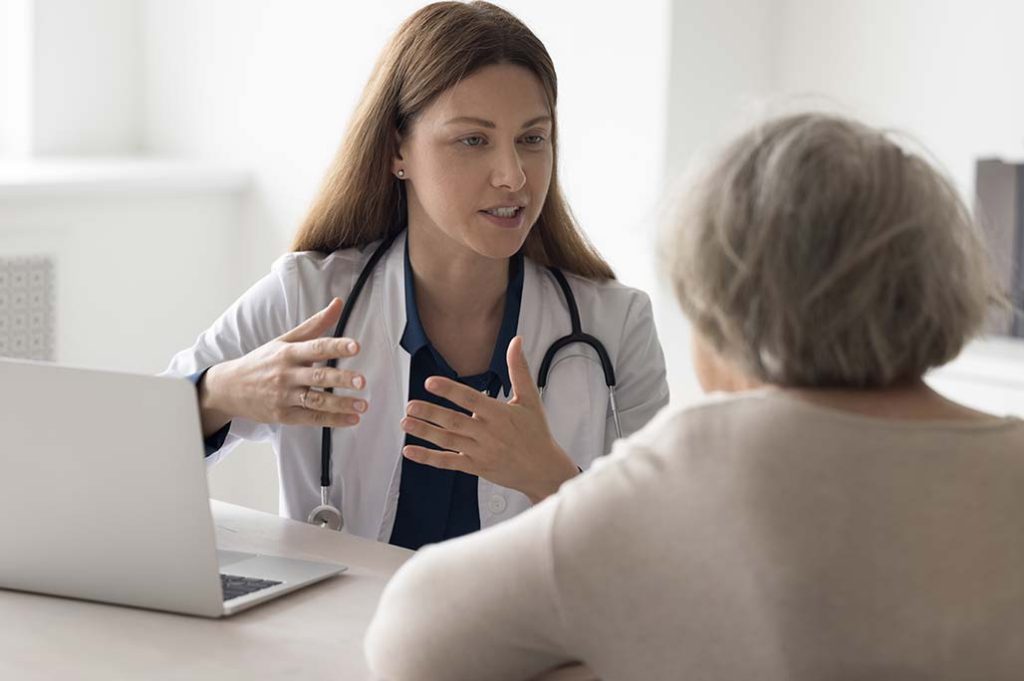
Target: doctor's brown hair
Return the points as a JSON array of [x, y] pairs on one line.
[[360, 200]]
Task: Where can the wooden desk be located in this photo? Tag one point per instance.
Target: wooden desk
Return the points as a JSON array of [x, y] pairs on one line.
[[315, 633]]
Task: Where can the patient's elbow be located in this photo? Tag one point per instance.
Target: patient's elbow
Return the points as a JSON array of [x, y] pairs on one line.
[[396, 644]]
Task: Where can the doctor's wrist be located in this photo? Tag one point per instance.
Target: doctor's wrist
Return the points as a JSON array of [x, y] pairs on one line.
[[213, 411], [563, 469]]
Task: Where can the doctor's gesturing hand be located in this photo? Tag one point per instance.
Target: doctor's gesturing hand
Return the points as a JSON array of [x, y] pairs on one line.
[[508, 444], [277, 382]]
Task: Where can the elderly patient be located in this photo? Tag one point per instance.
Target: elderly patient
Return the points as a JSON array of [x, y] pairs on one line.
[[825, 516]]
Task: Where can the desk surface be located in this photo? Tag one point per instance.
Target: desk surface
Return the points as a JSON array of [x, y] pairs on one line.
[[314, 633]]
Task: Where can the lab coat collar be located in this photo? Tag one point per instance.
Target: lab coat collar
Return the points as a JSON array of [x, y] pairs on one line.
[[391, 278]]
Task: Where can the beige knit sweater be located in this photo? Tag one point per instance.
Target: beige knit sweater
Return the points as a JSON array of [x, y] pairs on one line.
[[752, 537]]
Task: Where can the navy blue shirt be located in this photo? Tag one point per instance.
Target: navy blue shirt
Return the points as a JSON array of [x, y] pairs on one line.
[[436, 504]]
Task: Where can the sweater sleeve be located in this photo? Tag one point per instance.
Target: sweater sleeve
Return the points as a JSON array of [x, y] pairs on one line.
[[483, 606]]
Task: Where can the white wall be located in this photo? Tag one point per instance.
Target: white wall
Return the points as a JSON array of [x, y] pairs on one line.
[[720, 76], [70, 78], [86, 77], [722, 56], [15, 63], [133, 311], [948, 71]]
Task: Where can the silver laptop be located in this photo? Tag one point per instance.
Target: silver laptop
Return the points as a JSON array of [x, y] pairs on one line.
[[103, 497]]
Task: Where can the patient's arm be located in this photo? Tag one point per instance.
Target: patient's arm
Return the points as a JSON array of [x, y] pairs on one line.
[[482, 606]]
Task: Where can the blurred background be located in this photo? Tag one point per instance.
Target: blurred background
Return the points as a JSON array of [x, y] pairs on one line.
[[157, 155]]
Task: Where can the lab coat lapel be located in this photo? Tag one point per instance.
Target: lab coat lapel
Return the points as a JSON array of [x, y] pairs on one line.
[[571, 381], [390, 301], [538, 315]]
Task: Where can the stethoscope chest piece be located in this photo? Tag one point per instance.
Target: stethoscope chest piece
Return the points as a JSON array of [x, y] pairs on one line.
[[326, 516]]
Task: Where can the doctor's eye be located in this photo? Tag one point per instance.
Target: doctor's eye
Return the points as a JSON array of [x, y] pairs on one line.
[[473, 141], [534, 140]]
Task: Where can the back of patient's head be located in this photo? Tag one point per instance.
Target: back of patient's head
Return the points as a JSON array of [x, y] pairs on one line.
[[818, 253]]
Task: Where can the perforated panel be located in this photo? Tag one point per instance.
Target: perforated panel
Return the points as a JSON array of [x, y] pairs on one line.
[[27, 307]]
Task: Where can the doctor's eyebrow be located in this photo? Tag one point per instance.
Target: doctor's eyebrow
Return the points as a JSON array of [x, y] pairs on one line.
[[483, 122]]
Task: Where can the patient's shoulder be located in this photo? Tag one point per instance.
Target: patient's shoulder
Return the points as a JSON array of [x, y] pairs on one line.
[[712, 415]]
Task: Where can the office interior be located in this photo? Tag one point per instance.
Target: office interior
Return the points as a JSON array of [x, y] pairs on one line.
[[156, 157]]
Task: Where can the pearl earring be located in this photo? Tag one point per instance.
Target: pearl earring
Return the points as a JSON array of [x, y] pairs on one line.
[[401, 174]]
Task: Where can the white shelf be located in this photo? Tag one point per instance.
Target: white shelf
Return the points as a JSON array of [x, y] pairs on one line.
[[988, 375], [993, 361], [49, 177]]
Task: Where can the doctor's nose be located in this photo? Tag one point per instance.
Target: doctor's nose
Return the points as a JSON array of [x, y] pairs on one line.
[[508, 172]]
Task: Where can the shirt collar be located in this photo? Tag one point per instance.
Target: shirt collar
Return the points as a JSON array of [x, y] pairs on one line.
[[415, 337]]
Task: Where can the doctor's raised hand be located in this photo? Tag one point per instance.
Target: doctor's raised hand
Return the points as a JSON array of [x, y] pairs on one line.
[[509, 444], [278, 382]]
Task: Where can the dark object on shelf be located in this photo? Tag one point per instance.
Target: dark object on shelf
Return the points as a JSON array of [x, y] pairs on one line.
[[999, 207]]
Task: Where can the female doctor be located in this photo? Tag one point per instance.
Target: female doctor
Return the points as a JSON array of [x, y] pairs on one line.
[[424, 420]]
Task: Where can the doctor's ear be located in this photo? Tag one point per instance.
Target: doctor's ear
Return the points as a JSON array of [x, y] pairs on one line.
[[398, 162]]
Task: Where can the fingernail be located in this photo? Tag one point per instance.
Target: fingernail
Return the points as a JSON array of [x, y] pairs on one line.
[[352, 420], [358, 381], [360, 406], [352, 347], [412, 410]]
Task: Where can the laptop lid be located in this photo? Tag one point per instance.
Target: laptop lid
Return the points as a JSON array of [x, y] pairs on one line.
[[103, 490]]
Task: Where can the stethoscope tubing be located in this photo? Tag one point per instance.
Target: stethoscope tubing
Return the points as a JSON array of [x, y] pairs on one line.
[[329, 516]]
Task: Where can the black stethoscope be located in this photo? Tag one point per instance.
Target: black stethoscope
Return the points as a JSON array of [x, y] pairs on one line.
[[328, 515]]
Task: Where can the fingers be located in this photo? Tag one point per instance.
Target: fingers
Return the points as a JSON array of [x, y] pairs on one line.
[[445, 439], [317, 408], [323, 321], [523, 385], [316, 400], [297, 416], [462, 395], [448, 419], [327, 377], [323, 349], [452, 461]]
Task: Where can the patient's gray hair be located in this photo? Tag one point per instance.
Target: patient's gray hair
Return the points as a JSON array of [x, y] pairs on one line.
[[817, 252]]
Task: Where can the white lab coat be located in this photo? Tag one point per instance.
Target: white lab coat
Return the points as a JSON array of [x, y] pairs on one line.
[[367, 458]]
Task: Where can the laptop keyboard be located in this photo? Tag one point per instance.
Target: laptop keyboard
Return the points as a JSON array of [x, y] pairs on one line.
[[235, 586]]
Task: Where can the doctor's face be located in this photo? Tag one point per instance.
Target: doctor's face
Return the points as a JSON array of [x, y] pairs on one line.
[[478, 161]]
